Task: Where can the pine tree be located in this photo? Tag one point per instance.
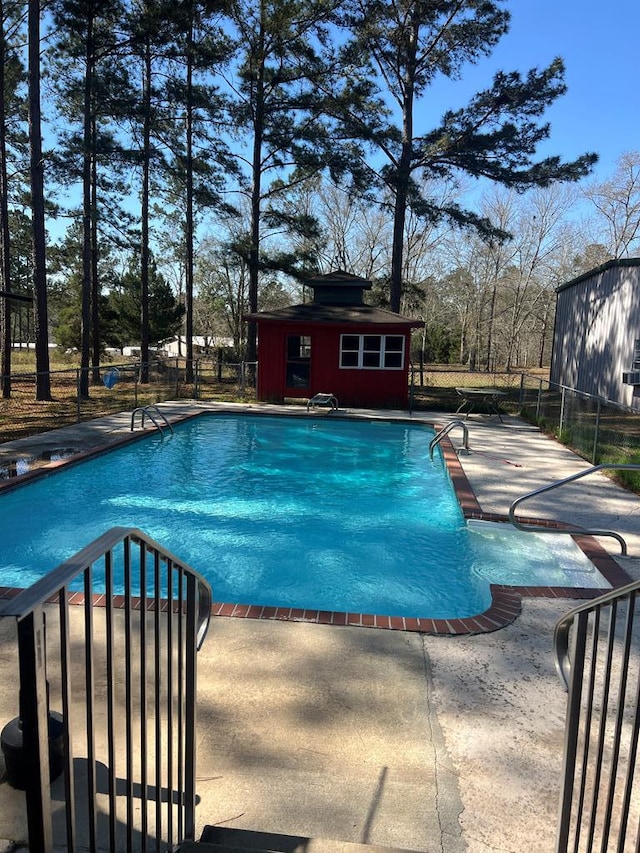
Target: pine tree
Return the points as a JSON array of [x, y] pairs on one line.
[[199, 161], [153, 38], [36, 173], [13, 140], [285, 68], [411, 43], [93, 92], [124, 304]]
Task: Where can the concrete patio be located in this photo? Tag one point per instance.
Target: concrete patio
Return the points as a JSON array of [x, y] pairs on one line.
[[441, 744]]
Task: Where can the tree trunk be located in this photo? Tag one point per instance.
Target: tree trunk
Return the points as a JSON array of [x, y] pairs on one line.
[[463, 336], [403, 172], [85, 310], [189, 212], [36, 171], [492, 312], [144, 248], [256, 191], [543, 334], [5, 240], [399, 217], [95, 280]]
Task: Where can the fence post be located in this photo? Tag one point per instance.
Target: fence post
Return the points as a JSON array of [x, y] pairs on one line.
[[177, 378], [561, 424], [594, 455], [196, 379], [521, 397], [78, 408]]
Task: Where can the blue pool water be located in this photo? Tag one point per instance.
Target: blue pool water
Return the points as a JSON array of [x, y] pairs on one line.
[[301, 512]]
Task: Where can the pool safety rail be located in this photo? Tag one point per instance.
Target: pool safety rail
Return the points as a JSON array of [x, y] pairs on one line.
[[155, 416], [445, 431], [570, 530], [121, 669], [597, 651]]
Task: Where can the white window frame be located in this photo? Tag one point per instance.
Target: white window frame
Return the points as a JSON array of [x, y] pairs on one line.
[[361, 352]]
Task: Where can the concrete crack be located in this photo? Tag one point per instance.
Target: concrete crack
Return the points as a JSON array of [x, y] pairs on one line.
[[449, 806]]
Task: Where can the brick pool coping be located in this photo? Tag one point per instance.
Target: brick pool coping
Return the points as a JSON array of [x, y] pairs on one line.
[[506, 600]]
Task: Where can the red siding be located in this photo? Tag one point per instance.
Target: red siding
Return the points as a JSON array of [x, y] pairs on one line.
[[352, 387]]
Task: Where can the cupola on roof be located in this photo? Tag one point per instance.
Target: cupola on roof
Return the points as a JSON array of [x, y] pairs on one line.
[[338, 288]]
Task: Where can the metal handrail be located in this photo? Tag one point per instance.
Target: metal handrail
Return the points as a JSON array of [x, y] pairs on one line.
[[570, 530], [445, 431], [596, 656], [149, 410], [562, 633], [143, 736], [43, 589]]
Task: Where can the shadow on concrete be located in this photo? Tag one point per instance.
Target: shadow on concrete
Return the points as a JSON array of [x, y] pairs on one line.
[[124, 828]]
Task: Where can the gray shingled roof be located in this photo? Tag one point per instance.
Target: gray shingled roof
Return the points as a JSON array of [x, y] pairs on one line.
[[339, 278], [312, 312]]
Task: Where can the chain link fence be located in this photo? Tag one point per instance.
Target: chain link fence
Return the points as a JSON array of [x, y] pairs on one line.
[[216, 379], [599, 430], [431, 388], [116, 388], [434, 387]]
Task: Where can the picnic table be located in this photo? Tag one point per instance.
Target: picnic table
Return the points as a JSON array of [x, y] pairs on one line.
[[488, 398]]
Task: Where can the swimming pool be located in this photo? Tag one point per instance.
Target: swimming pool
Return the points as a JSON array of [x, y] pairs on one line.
[[332, 514]]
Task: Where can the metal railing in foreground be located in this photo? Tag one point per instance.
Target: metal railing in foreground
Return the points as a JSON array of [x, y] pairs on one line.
[[597, 648], [121, 669]]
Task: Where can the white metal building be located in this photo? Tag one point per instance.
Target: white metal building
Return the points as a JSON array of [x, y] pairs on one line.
[[596, 341]]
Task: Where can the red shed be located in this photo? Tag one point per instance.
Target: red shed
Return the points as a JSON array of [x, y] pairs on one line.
[[335, 344]]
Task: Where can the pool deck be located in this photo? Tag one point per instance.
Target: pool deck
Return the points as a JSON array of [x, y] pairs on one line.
[[431, 743]]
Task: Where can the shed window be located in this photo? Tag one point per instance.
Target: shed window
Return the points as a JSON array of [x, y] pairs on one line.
[[372, 352], [298, 361]]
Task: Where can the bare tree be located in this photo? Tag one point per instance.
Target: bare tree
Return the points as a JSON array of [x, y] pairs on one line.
[[540, 233], [357, 236], [503, 292], [617, 206], [223, 292]]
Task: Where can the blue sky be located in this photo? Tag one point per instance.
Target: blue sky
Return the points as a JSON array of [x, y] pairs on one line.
[[598, 42]]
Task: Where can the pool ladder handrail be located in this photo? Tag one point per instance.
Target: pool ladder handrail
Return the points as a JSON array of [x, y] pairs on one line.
[[149, 410], [533, 528], [445, 431]]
